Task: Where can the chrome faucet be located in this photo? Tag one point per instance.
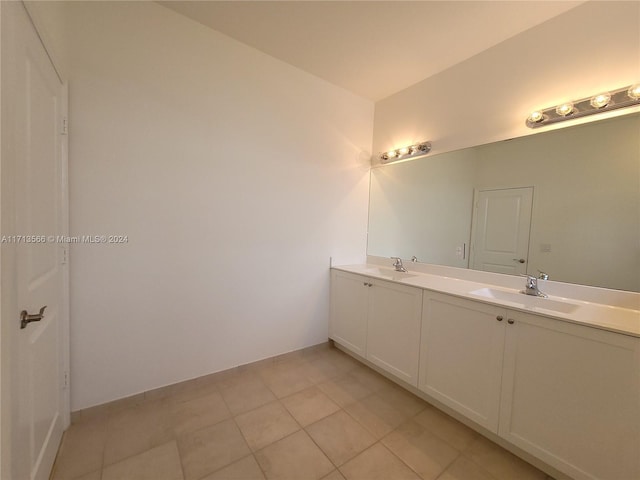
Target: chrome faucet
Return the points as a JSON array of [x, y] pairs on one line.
[[531, 287], [398, 264]]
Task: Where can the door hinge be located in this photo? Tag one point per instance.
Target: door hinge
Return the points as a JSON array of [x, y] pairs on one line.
[[65, 385], [64, 255], [65, 126]]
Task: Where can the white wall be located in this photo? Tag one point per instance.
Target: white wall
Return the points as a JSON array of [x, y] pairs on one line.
[[591, 48], [234, 176]]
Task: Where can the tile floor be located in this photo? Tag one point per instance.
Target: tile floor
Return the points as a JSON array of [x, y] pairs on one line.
[[314, 414]]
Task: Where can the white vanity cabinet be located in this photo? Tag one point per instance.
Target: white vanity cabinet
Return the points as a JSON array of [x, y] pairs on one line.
[[571, 396], [461, 356], [379, 321], [393, 329], [349, 310], [565, 393]]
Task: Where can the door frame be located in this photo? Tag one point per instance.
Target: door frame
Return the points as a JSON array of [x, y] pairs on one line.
[[9, 316], [65, 300]]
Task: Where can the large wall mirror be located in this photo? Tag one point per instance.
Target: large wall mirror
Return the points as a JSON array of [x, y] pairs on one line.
[[568, 199]]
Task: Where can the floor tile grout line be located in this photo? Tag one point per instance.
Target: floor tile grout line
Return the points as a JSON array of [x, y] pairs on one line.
[[462, 453], [441, 437], [251, 452], [300, 427], [478, 466], [257, 408], [254, 407], [132, 401], [315, 421], [184, 474], [281, 363], [449, 464], [176, 435], [217, 389], [350, 458], [362, 424], [212, 386], [397, 457], [291, 434], [459, 452], [104, 445], [267, 385], [316, 443], [447, 467], [380, 440], [264, 474]]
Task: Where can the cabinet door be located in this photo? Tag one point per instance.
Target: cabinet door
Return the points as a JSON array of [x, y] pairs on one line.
[[393, 332], [571, 397], [461, 356], [349, 304]]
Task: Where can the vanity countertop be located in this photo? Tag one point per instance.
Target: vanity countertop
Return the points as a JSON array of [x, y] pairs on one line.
[[606, 317]]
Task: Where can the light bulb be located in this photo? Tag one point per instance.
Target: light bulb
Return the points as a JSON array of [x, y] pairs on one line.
[[403, 151], [634, 92], [535, 117], [600, 101], [564, 109], [391, 154]]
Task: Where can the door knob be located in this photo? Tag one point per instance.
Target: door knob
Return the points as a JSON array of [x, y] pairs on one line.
[[25, 318], [519, 260]]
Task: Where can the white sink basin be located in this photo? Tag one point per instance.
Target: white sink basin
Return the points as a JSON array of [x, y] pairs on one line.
[[389, 273], [526, 301]]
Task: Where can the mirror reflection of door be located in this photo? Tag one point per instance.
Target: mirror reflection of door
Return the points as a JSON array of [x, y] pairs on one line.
[[500, 230]]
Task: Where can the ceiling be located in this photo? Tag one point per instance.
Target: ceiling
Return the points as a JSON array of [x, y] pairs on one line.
[[371, 48]]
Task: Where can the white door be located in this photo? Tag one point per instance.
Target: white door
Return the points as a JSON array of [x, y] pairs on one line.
[[393, 329], [500, 230], [34, 215]]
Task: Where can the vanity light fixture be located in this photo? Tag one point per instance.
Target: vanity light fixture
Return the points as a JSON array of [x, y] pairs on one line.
[[405, 153], [634, 91], [603, 102], [600, 101], [564, 109]]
